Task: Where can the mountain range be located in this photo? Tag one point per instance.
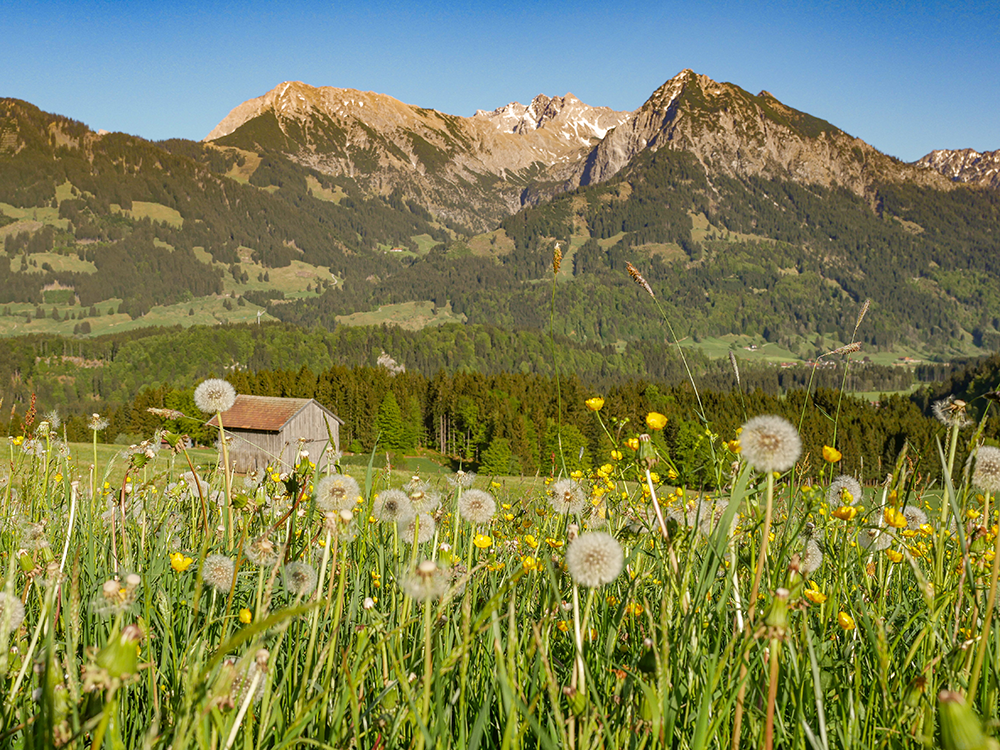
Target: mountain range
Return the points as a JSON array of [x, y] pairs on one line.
[[477, 169], [751, 221]]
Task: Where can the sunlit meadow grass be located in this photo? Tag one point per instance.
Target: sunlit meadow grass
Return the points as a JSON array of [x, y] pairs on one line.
[[152, 618]]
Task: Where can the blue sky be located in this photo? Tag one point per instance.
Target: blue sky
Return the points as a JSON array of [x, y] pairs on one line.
[[905, 76]]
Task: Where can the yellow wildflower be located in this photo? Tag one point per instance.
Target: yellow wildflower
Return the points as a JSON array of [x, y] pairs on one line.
[[179, 562], [554, 542], [894, 555], [831, 455], [245, 616], [845, 621], [563, 625], [895, 518], [655, 420], [482, 541], [595, 403], [530, 563], [813, 594], [616, 455], [633, 443], [845, 512]]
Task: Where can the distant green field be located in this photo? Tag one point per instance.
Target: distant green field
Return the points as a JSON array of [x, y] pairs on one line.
[[153, 212], [410, 315]]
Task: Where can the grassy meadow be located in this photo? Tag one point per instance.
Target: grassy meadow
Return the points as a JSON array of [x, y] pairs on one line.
[[151, 599]]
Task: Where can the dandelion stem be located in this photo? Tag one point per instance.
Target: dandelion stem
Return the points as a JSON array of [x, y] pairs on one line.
[[578, 635], [986, 633], [772, 693], [752, 607]]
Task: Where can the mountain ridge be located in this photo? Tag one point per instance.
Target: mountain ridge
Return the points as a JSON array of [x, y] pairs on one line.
[[500, 160]]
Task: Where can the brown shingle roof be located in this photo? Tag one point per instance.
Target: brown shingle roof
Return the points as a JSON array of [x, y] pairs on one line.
[[265, 413]]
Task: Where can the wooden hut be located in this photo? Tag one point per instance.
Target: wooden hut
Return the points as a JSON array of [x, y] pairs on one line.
[[269, 431]]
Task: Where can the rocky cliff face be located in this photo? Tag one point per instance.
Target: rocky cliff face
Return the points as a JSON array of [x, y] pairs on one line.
[[468, 169], [476, 170], [737, 134], [965, 165]]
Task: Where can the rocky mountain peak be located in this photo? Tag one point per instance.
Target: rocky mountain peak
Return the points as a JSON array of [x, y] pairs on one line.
[[965, 165], [566, 115]]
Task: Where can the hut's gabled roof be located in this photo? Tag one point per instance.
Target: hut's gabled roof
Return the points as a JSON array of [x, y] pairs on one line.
[[265, 413]]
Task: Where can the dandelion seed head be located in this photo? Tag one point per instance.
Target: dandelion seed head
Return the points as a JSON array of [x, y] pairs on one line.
[[425, 532], [950, 412], [566, 496], [253, 479], [393, 506], [336, 492], [214, 395], [770, 443], [11, 613], [97, 422], [594, 559], [987, 473], [709, 513], [241, 680], [844, 490], [218, 572], [426, 581], [875, 539], [477, 506], [262, 552], [300, 578], [462, 479], [811, 558], [422, 496], [915, 517]]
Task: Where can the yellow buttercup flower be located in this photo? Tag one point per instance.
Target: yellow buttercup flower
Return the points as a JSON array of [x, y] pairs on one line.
[[813, 593], [246, 616], [482, 541], [894, 555], [845, 512], [179, 562], [530, 563], [633, 443], [895, 518], [655, 420], [845, 621], [831, 455], [530, 541], [595, 403], [616, 455]]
